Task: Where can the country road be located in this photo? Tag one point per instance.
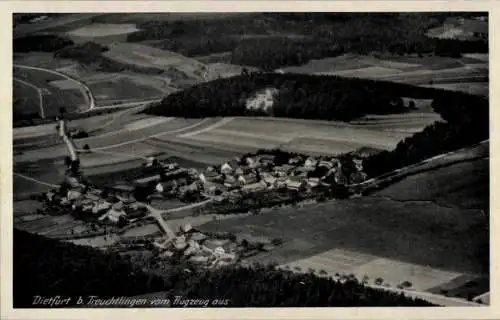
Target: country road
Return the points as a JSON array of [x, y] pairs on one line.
[[39, 93], [87, 94]]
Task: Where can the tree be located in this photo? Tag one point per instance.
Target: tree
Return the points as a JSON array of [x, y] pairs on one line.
[[67, 161], [412, 105]]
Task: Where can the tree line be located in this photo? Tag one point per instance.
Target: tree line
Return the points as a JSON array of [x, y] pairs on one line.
[[299, 96], [465, 122], [48, 267], [285, 39]]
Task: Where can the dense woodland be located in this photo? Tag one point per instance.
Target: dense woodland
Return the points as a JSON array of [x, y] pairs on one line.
[[299, 96], [273, 40], [466, 122], [43, 43], [49, 267]]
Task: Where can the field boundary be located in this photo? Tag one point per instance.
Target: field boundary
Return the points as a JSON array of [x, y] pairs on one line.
[[40, 94], [87, 94]]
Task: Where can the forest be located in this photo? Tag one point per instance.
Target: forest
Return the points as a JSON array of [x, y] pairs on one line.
[[49, 267], [466, 122], [42, 43], [299, 96], [272, 40]]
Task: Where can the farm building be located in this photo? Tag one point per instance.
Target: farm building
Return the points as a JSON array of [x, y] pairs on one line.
[[209, 176], [258, 186], [284, 169], [124, 190], [247, 179], [229, 167], [310, 162]]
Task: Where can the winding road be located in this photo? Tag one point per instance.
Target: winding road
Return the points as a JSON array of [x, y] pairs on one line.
[[89, 97]]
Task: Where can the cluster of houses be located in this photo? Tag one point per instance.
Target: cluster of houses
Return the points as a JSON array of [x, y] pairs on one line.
[[199, 248], [260, 172]]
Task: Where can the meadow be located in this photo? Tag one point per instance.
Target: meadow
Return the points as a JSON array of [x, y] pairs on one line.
[[418, 233]]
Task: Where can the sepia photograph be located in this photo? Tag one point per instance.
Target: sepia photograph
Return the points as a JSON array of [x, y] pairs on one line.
[[250, 159]]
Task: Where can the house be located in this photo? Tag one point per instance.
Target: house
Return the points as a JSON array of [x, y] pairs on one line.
[[235, 184], [118, 206], [358, 164], [100, 207], [92, 197], [209, 176], [73, 182], [294, 184], [166, 186], [270, 181], [198, 236], [340, 178], [124, 190], [247, 179], [213, 244], [310, 162], [215, 189], [199, 259], [242, 171], [73, 195], [313, 182], [171, 166], [50, 196], [113, 215], [295, 160], [97, 192], [266, 160], [229, 167], [258, 186], [327, 164], [358, 177], [284, 169]]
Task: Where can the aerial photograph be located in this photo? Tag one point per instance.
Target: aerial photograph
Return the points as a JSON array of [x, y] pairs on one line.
[[250, 159]]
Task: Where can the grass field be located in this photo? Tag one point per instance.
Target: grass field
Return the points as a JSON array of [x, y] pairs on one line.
[[382, 132], [53, 97], [428, 70], [121, 88], [465, 185], [26, 98], [411, 232]]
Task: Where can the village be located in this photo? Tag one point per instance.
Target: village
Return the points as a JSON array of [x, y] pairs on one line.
[[230, 181]]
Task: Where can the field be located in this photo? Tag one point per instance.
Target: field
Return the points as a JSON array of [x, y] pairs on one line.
[[121, 88], [144, 56], [424, 243], [448, 73], [464, 29], [27, 98], [53, 97], [43, 224], [323, 137], [447, 186]]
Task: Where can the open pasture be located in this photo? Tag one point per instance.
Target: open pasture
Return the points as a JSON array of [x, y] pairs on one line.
[[121, 89], [476, 88], [311, 136], [364, 265], [97, 30], [26, 98], [406, 69], [139, 17], [418, 233], [465, 185], [145, 56], [53, 97]]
